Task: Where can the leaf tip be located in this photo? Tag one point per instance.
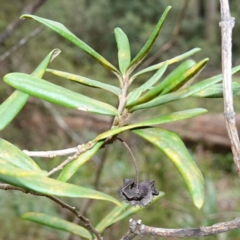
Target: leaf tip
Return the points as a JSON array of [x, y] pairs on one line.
[[55, 53], [199, 203], [25, 16]]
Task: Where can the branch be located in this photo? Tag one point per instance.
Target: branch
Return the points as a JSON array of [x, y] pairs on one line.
[[137, 228], [85, 221], [83, 148], [172, 41], [30, 9], [227, 24], [52, 154]]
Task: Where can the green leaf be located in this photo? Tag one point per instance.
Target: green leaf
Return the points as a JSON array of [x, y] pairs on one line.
[[216, 91], [57, 223], [36, 182], [135, 94], [15, 102], [170, 61], [86, 81], [171, 117], [148, 45], [16, 157], [174, 148], [73, 166], [124, 54], [117, 214], [182, 93], [164, 84], [181, 75], [108, 219], [64, 32], [7, 163], [53, 93]]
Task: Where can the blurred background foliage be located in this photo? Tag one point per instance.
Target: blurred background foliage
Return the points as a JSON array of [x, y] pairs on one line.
[[35, 128]]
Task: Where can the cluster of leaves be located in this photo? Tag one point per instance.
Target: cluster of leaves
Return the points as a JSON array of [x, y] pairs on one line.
[[20, 170]]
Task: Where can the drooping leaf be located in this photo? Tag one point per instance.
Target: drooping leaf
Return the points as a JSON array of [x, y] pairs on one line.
[[124, 54], [16, 157], [170, 61], [117, 214], [216, 91], [36, 182], [171, 117], [64, 32], [57, 223], [182, 76], [148, 45], [182, 93], [86, 81], [72, 167], [174, 148], [15, 102], [135, 94], [56, 94]]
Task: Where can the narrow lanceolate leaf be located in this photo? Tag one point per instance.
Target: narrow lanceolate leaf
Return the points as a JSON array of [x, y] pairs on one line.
[[53, 93], [148, 45], [117, 214], [124, 54], [36, 182], [216, 91], [166, 83], [183, 75], [57, 223], [135, 94], [15, 102], [64, 32], [16, 157], [86, 81], [182, 93], [174, 148], [108, 219], [170, 61], [73, 166], [171, 117]]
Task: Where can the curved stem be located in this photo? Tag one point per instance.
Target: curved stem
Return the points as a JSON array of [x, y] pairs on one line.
[[134, 160]]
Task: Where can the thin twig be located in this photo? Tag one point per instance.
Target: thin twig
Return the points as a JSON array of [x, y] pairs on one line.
[[88, 202], [52, 154], [83, 149], [85, 221], [227, 24], [30, 9], [134, 160], [21, 42], [172, 41]]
